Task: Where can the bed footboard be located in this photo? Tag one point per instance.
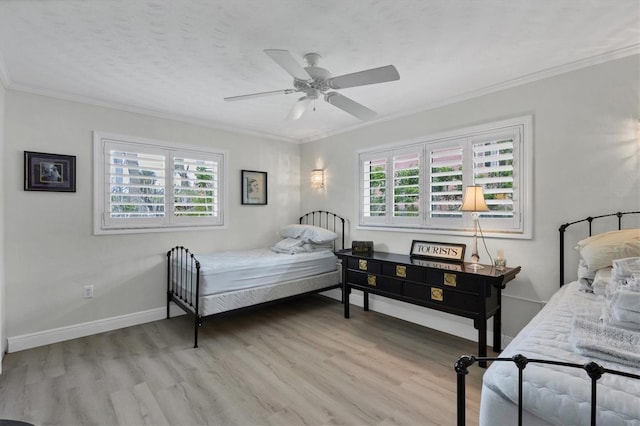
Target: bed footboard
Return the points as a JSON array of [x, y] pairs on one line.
[[594, 370], [183, 284]]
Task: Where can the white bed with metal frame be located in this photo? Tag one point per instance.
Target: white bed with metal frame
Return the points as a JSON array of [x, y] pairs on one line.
[[571, 364], [211, 285]]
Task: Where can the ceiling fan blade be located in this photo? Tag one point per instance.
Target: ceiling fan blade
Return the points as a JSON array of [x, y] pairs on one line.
[[288, 62], [299, 108], [361, 78], [258, 95], [352, 107]]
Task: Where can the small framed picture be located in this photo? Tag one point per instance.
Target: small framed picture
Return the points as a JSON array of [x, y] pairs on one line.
[[49, 172], [443, 251], [254, 187]]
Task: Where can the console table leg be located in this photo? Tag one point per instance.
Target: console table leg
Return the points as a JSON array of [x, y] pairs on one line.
[[345, 299], [366, 300], [497, 325], [497, 333], [482, 341]]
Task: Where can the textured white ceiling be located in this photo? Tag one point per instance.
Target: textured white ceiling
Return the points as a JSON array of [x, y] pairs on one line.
[[180, 58]]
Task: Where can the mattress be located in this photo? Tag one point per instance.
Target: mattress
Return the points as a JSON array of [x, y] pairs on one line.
[[555, 394], [223, 302], [240, 270]]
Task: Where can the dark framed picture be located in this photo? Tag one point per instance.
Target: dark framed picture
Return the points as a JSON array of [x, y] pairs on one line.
[[49, 172], [254, 187], [443, 251]]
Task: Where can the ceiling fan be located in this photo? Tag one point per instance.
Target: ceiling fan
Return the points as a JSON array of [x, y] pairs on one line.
[[314, 81]]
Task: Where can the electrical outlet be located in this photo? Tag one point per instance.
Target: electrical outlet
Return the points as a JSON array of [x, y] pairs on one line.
[[87, 291]]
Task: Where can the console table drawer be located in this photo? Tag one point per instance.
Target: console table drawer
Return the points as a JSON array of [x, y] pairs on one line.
[[409, 272], [438, 295], [367, 265], [377, 282], [453, 280]]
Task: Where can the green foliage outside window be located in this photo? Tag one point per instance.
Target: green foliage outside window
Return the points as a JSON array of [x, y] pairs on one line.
[[406, 198], [196, 200]]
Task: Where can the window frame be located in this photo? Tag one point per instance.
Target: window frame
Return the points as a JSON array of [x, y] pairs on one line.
[[519, 226], [103, 224]]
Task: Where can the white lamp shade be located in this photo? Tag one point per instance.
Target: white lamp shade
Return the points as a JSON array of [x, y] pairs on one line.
[[474, 200]]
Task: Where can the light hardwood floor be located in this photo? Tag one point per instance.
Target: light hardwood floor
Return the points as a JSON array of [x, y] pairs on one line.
[[287, 364]]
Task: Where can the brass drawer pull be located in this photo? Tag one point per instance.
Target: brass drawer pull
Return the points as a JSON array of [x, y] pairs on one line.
[[437, 294], [362, 264], [450, 279], [371, 280], [401, 271]]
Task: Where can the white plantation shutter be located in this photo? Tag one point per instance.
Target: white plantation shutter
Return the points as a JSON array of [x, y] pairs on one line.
[[373, 188], [406, 183], [493, 170], [195, 186], [136, 184], [145, 185], [398, 188], [390, 187], [495, 158], [446, 184]]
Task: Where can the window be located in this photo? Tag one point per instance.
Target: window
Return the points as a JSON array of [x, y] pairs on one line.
[[427, 180], [143, 185]]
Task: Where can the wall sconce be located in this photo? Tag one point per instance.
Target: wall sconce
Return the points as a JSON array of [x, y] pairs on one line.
[[317, 178], [474, 202]]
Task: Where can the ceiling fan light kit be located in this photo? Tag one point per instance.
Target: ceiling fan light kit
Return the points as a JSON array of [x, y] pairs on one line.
[[314, 81]]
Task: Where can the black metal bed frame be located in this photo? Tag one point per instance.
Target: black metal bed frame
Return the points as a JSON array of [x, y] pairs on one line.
[[594, 370], [590, 220], [183, 280]]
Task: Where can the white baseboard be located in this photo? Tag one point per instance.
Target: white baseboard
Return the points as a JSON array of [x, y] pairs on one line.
[[414, 314], [47, 337]]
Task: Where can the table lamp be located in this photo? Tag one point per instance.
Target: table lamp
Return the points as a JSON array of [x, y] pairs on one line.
[[473, 202]]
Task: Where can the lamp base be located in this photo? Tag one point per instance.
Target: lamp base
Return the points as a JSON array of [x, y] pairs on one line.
[[475, 266]]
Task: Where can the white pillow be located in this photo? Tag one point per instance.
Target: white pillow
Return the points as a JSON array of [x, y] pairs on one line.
[[308, 233], [600, 250], [289, 245]]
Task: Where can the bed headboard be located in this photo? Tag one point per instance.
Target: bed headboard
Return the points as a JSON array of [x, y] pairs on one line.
[[327, 220], [590, 221]]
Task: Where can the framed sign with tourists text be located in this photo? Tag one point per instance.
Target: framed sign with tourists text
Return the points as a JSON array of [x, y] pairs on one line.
[[451, 252]]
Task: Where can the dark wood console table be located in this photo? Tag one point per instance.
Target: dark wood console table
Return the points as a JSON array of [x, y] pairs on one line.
[[449, 287]]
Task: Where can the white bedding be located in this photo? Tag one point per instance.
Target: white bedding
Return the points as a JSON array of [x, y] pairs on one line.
[[239, 270], [554, 394]]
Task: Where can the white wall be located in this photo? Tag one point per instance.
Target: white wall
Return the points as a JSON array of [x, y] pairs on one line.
[[585, 137], [3, 343], [50, 251], [585, 134]]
